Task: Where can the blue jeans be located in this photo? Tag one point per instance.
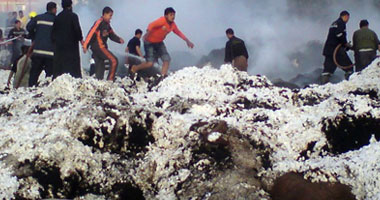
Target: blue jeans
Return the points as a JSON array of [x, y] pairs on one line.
[[154, 51]]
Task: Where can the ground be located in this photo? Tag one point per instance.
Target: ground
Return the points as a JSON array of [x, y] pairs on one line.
[[201, 133]]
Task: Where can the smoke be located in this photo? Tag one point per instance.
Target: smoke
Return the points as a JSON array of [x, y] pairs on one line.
[[272, 29]]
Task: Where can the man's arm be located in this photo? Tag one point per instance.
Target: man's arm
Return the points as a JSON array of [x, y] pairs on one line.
[[245, 51], [377, 41], [228, 52], [10, 34], [354, 42], [341, 33], [115, 38], [31, 26], [181, 35], [139, 51], [91, 34], [77, 29]]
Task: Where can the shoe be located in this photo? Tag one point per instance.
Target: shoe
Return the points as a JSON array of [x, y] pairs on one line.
[[130, 73], [325, 79]]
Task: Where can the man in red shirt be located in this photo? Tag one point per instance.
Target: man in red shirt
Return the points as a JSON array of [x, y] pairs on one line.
[[154, 42]]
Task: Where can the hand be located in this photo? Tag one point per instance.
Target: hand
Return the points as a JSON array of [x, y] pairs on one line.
[[349, 46], [121, 41], [190, 44], [84, 50]]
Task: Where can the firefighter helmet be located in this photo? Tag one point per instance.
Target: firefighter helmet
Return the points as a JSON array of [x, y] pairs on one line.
[[32, 14]]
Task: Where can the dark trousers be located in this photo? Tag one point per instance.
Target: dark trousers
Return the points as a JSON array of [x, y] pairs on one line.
[[342, 59], [100, 56], [363, 59], [16, 50], [39, 64]]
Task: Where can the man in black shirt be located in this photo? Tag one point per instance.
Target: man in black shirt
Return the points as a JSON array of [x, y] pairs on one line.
[[133, 48], [20, 34], [236, 52], [66, 35]]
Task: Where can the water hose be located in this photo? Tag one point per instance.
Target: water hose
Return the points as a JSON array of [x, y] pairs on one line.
[[336, 62]]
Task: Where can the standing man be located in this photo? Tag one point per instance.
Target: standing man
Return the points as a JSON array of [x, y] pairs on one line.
[[41, 28], [365, 45], [97, 39], [20, 34], [66, 36], [337, 35], [154, 42], [133, 48], [236, 52], [23, 19]]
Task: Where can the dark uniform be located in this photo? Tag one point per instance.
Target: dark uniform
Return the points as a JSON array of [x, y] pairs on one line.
[[41, 28], [97, 39], [16, 44], [365, 44], [337, 35], [66, 36], [132, 47], [237, 54]]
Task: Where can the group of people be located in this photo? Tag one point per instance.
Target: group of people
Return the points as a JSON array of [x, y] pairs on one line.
[[56, 39], [365, 46], [54, 49], [13, 17]]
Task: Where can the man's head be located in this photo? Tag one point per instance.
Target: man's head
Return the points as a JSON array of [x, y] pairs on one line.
[[345, 15], [107, 14], [364, 24], [18, 24], [138, 33], [14, 14], [21, 14], [51, 7], [67, 4], [1, 33], [230, 33], [170, 14]]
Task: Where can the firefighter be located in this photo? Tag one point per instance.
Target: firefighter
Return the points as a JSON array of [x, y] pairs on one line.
[[337, 36], [41, 28]]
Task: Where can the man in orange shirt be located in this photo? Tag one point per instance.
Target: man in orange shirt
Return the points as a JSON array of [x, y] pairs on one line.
[[154, 42]]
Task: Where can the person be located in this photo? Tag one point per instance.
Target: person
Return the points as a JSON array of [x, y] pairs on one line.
[[154, 42], [31, 16], [337, 36], [66, 35], [20, 34], [97, 40], [12, 17], [134, 48], [236, 53], [365, 45], [23, 19], [21, 70], [41, 28]]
